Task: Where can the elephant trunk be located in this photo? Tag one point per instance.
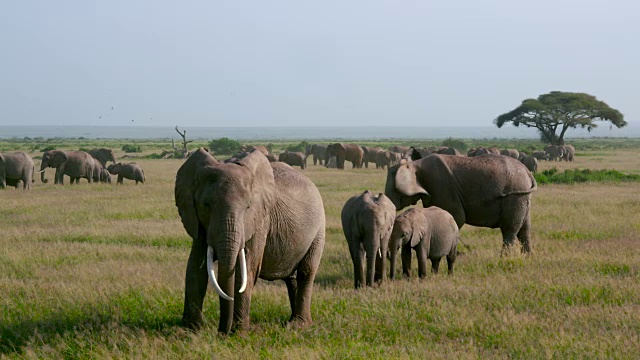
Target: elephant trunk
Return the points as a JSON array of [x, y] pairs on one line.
[[42, 174]]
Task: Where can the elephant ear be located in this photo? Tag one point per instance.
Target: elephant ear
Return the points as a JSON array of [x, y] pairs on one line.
[[406, 181], [59, 157], [185, 189], [263, 182]]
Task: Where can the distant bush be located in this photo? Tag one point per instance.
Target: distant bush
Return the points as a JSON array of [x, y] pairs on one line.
[[572, 176], [129, 148], [456, 144], [224, 146], [301, 146], [48, 148]]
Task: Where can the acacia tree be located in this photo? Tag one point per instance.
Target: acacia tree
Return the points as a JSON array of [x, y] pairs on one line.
[[559, 110]]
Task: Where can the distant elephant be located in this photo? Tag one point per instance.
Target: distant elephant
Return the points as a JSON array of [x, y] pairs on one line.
[[511, 153], [448, 151], [531, 163], [522, 155], [131, 171], [260, 148], [15, 167], [100, 174], [258, 220], [367, 221], [387, 158], [568, 152], [539, 155], [103, 155], [319, 153], [399, 149], [75, 164], [345, 152], [370, 155], [431, 232], [488, 191], [293, 159], [415, 153], [554, 152], [331, 164], [478, 152], [493, 150]]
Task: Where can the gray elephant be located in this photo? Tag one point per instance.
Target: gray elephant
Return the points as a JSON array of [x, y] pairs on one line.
[[318, 152], [16, 167], [131, 171], [367, 221], [103, 155], [370, 155], [345, 152], [399, 149], [540, 155], [387, 158], [568, 152], [531, 163], [415, 153], [75, 164], [431, 232], [473, 152], [448, 151], [258, 220], [554, 152], [293, 159], [514, 153], [488, 191], [100, 173]]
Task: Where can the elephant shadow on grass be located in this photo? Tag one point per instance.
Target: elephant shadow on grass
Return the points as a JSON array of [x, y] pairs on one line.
[[132, 311]]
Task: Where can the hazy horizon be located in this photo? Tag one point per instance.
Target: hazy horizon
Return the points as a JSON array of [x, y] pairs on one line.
[[288, 63]]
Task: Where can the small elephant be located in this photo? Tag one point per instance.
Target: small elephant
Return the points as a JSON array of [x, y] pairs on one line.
[[15, 167], [293, 159], [75, 164], [345, 152], [319, 153], [540, 155], [367, 221], [530, 162], [514, 153], [431, 232], [370, 155], [257, 220], [488, 191], [131, 171]]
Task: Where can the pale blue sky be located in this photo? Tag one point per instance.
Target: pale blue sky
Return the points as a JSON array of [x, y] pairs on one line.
[[263, 63]]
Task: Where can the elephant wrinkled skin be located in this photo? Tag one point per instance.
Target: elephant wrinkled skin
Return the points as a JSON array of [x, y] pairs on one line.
[[367, 221], [258, 220], [489, 191]]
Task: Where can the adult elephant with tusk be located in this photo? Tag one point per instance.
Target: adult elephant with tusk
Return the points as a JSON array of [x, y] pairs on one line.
[[258, 220], [75, 164]]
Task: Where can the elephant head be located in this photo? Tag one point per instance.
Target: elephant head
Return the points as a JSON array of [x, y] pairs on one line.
[[228, 203], [114, 168], [103, 155], [402, 186], [339, 151], [405, 232], [52, 159]]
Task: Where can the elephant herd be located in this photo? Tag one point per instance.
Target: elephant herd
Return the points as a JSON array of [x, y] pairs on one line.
[[263, 219], [18, 167]]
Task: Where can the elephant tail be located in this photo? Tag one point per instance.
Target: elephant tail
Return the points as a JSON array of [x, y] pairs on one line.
[[533, 188]]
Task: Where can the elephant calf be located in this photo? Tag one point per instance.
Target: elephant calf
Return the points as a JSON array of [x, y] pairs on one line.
[[431, 232], [131, 171], [367, 221]]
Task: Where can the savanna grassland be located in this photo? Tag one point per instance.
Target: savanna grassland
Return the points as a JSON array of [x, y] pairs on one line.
[[97, 271]]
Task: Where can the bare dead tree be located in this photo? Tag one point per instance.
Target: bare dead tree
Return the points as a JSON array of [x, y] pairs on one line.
[[183, 134]]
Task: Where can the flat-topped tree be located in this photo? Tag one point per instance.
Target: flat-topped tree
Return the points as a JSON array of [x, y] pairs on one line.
[[559, 110]]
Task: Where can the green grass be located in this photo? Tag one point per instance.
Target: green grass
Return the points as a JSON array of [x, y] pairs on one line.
[[572, 176], [97, 271]]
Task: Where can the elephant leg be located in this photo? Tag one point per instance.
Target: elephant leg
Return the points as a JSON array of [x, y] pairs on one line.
[[406, 260], [120, 179], [515, 210], [357, 253], [435, 265], [421, 254], [292, 289], [306, 274], [524, 234], [195, 284], [451, 259]]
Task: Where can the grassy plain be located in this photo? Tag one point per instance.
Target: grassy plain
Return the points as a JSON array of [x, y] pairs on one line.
[[97, 271]]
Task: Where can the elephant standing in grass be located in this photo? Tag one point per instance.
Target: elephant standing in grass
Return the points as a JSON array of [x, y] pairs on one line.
[[75, 164], [258, 220], [370, 155], [293, 159], [568, 152], [531, 163], [319, 153], [403, 150], [431, 232], [489, 191], [345, 152], [15, 167], [387, 158], [554, 152], [103, 155], [367, 221], [131, 171], [100, 173], [540, 155]]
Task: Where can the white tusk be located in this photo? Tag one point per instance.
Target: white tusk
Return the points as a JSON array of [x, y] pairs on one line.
[[212, 275], [379, 252], [243, 271]]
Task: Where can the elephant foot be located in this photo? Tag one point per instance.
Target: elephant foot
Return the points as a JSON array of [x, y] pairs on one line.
[[191, 324], [298, 323]]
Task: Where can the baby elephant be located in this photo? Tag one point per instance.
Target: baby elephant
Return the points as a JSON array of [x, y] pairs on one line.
[[432, 232], [367, 221], [131, 171]]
